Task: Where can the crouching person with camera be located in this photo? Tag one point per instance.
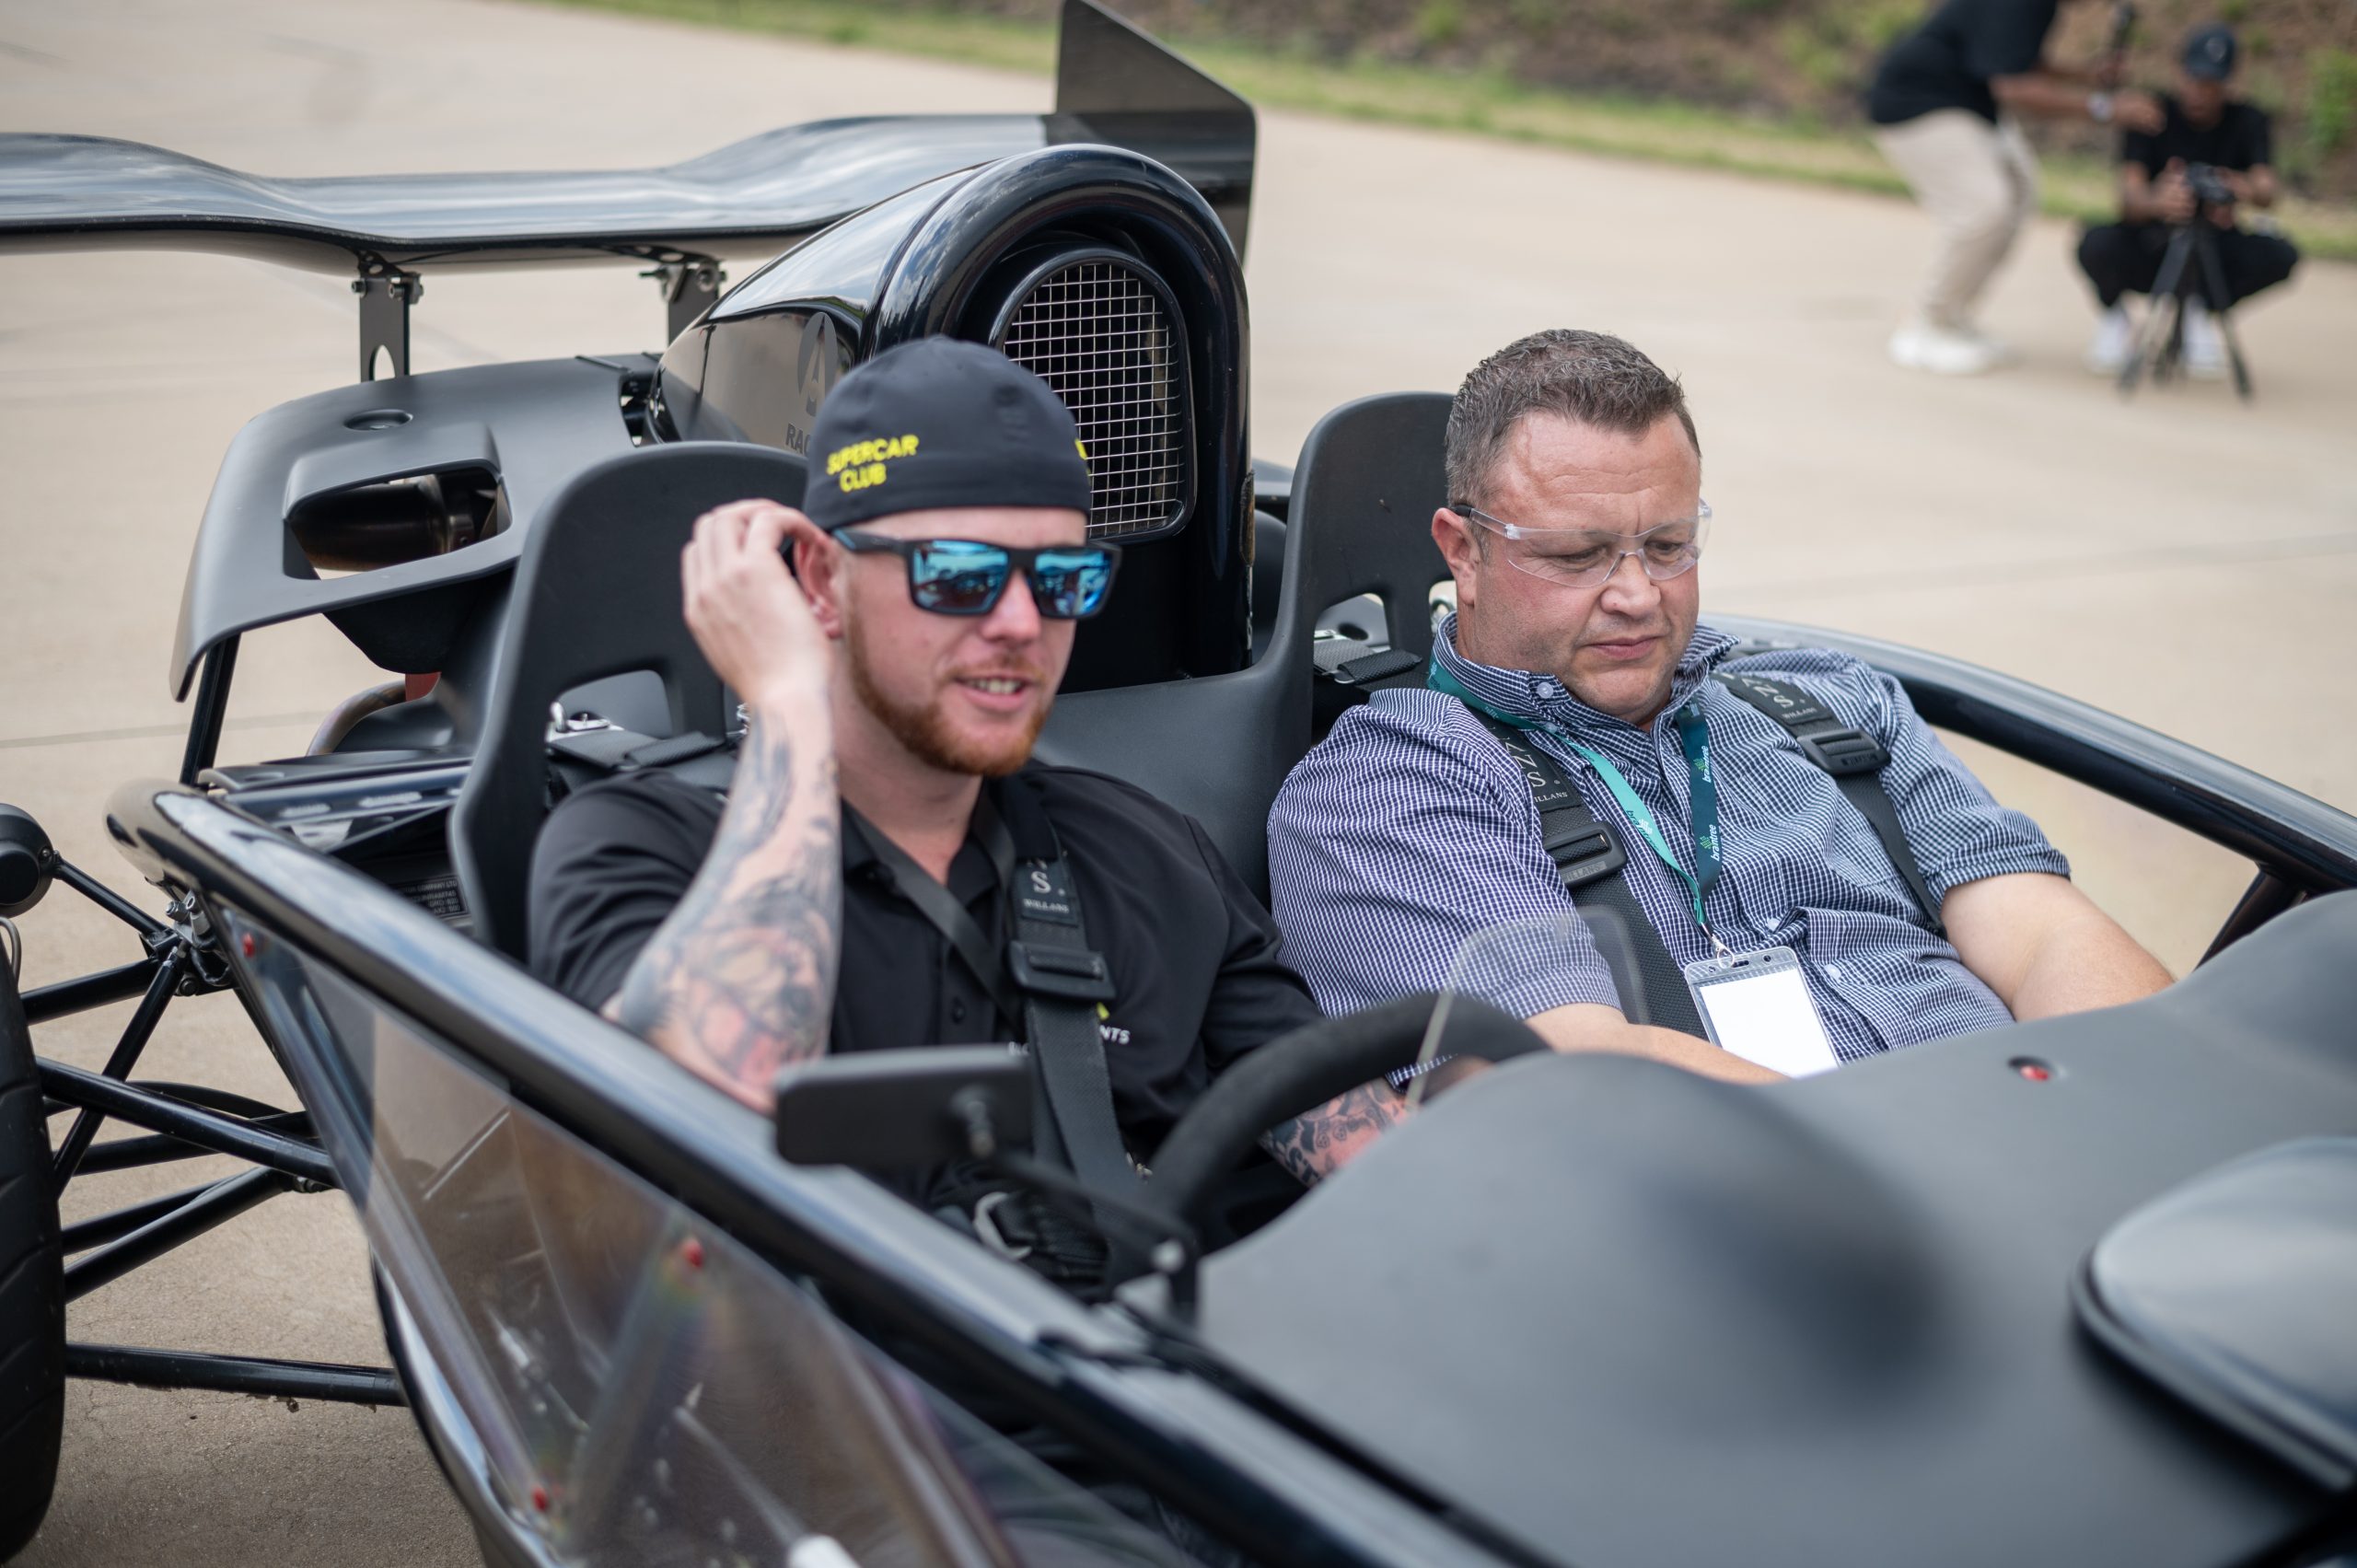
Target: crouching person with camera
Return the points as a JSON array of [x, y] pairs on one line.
[[2209, 160]]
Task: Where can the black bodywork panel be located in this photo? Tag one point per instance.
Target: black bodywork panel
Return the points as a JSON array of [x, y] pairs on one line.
[[1629, 1316], [537, 423]]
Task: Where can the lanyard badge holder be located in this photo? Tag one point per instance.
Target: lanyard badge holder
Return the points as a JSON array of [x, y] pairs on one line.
[[1756, 1005], [1753, 1005]]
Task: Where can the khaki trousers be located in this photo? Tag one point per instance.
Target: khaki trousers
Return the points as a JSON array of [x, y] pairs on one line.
[[1979, 182]]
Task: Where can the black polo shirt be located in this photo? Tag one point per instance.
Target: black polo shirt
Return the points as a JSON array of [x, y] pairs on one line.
[[1194, 955], [1948, 61]]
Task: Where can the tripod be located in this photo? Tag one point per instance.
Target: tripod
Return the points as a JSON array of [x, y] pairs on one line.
[[2160, 345]]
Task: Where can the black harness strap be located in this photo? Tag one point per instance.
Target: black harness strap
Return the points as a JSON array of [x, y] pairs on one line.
[[1050, 979], [583, 756], [1853, 758], [1588, 856], [1063, 981], [942, 912]]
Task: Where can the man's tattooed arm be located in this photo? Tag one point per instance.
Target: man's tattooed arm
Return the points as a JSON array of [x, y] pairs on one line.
[[1319, 1142], [740, 980]]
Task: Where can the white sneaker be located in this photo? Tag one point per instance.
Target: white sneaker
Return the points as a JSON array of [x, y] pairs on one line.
[[2205, 345], [2114, 339], [1920, 345], [2000, 351]]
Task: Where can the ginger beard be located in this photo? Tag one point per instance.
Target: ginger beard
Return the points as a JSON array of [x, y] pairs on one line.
[[926, 730]]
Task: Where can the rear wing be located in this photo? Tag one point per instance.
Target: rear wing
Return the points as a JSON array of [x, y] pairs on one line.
[[754, 198]]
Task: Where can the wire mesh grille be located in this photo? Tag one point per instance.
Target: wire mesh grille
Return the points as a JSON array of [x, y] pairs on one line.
[[1099, 334]]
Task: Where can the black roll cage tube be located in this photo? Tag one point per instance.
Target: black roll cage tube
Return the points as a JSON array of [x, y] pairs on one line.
[[187, 1122]]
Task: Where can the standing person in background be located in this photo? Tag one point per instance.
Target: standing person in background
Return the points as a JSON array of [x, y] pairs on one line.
[[2203, 127], [1945, 104]]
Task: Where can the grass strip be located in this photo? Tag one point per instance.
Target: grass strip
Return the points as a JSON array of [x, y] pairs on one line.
[[1482, 103]]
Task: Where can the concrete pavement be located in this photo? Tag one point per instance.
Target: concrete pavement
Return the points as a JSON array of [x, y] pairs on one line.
[[2181, 560]]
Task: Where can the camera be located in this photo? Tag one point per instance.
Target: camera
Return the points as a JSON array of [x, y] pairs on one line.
[[2208, 188]]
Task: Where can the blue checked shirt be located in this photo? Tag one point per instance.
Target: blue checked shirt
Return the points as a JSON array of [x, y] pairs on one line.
[[1407, 830]]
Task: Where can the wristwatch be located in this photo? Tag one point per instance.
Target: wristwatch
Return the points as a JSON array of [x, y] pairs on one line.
[[2099, 108]]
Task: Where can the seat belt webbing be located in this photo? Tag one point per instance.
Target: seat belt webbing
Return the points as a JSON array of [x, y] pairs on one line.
[[942, 912], [1855, 761], [1063, 983], [1589, 858], [1050, 979]]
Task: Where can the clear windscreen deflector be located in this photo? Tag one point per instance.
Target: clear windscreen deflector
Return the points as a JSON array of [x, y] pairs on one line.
[[638, 1387], [1531, 969]]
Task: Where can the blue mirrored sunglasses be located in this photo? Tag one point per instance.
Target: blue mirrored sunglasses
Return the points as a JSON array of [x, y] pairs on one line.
[[966, 576]]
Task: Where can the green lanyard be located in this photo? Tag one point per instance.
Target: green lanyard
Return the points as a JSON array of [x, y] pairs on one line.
[[1702, 787]]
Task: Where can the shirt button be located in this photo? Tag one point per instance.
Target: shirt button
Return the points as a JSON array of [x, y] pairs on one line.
[[1833, 971], [1550, 687], [957, 1012]]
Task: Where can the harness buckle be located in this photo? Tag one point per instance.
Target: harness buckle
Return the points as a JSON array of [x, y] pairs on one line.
[[1587, 853], [1842, 752], [1072, 974], [986, 1226], [1369, 667]]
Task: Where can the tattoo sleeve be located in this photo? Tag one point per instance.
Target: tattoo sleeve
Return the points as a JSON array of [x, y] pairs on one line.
[[740, 980], [1319, 1142]]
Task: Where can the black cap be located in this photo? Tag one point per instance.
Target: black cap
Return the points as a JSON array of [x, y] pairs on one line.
[[941, 423], [2210, 54]]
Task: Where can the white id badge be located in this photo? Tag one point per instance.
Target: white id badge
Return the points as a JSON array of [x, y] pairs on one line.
[[1756, 1005]]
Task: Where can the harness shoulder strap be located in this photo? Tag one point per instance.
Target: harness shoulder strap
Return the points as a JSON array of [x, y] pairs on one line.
[[941, 910], [582, 756], [1853, 758], [1063, 983], [1589, 858]]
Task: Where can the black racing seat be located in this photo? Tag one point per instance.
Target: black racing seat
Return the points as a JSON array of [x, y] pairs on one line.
[[1373, 519], [595, 595], [1219, 747]]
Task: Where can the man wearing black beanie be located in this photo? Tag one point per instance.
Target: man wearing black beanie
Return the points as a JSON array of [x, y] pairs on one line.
[[887, 845]]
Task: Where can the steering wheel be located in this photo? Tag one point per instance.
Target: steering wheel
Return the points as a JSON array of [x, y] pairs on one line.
[[1301, 1071]]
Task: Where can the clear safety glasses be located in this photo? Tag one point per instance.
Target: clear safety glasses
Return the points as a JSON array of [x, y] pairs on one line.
[[966, 576], [1586, 558]]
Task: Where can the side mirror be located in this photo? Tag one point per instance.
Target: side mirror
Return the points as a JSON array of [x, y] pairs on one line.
[[890, 1109]]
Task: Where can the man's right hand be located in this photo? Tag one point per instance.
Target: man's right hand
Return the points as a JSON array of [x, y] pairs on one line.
[[744, 608], [2134, 111]]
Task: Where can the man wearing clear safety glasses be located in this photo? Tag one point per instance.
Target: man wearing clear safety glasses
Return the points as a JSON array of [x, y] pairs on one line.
[[1803, 874], [890, 869]]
